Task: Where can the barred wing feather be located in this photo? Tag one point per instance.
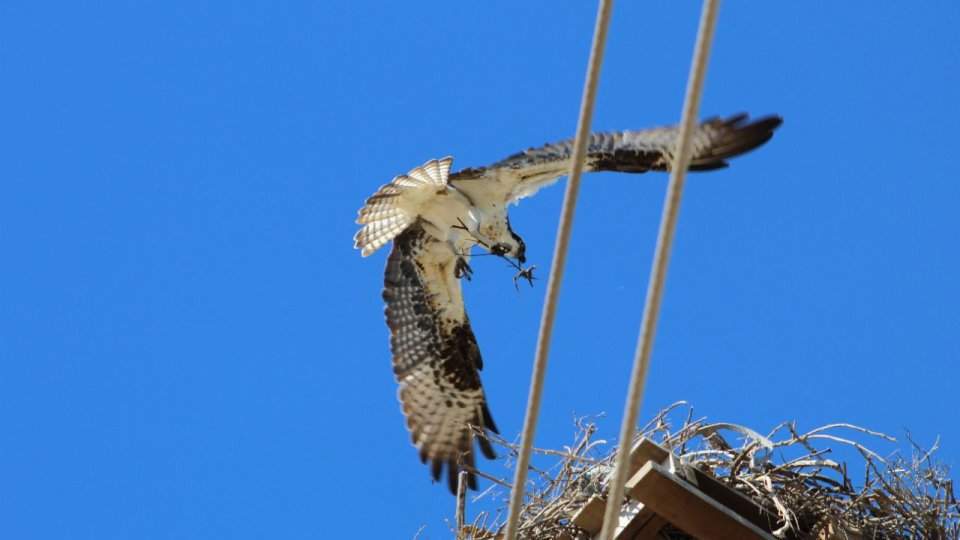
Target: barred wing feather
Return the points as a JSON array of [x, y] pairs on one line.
[[714, 141], [436, 360]]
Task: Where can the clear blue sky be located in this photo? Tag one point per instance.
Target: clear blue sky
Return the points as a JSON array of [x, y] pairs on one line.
[[191, 348]]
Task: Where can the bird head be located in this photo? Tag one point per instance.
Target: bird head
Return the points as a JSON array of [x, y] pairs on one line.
[[512, 247]]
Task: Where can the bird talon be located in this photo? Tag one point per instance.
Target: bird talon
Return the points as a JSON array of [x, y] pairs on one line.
[[462, 270]]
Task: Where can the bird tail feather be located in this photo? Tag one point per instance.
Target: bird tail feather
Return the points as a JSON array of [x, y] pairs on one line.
[[392, 209]]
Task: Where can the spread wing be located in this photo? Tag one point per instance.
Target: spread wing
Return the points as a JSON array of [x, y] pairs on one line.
[[714, 141], [435, 354]]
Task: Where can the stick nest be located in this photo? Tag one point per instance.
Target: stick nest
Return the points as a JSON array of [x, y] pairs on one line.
[[901, 494]]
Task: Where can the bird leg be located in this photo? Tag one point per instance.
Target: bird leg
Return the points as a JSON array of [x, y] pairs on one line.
[[461, 269]]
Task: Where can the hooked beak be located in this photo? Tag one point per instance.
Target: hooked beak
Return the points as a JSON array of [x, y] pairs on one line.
[[502, 249]]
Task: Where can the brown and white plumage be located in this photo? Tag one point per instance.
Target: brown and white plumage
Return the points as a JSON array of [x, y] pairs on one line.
[[397, 204], [434, 218], [435, 355], [714, 141]]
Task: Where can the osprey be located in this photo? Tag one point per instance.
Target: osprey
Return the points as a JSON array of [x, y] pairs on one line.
[[434, 219]]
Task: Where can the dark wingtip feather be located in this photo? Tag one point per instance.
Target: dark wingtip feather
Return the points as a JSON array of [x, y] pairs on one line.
[[466, 460], [489, 425], [470, 464], [768, 122], [452, 472], [472, 481], [488, 422], [736, 118], [740, 135], [712, 166], [486, 448], [453, 478]]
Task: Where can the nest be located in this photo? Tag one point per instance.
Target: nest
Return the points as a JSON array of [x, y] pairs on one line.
[[797, 476]]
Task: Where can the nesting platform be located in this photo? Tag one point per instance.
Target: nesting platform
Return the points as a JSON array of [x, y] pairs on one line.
[[662, 491]]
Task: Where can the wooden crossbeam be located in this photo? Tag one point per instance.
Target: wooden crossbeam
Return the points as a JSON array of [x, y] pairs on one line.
[[638, 522], [688, 508], [695, 499], [590, 515], [734, 500]]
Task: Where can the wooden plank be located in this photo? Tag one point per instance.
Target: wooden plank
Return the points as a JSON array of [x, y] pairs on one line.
[[734, 500], [632, 515], [689, 509], [650, 529], [638, 522], [643, 451], [633, 519], [712, 487], [590, 515]]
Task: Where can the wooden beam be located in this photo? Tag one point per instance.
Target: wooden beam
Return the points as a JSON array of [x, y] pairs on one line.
[[689, 509], [712, 487], [590, 515], [643, 451], [638, 522], [736, 501]]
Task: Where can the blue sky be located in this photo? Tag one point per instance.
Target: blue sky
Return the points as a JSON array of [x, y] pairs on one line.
[[191, 348]]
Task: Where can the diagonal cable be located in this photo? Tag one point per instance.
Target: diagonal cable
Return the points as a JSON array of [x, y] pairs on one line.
[[658, 275], [559, 260]]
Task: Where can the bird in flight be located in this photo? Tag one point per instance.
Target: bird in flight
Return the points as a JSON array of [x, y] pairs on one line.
[[435, 218]]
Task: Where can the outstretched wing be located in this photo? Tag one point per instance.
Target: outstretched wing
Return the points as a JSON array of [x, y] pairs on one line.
[[714, 141], [435, 354]]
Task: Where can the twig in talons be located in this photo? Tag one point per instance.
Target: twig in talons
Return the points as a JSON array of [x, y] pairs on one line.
[[524, 273], [463, 227]]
